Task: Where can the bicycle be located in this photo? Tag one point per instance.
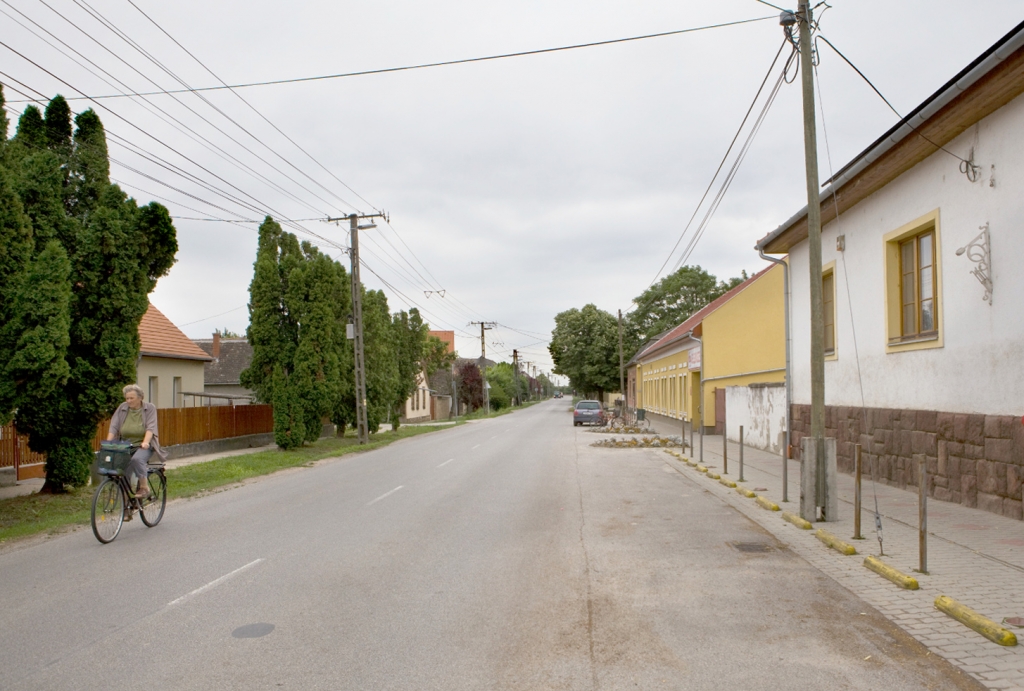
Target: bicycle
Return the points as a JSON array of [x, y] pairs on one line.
[[115, 502]]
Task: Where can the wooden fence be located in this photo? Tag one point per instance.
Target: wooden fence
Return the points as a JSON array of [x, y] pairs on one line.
[[177, 426]]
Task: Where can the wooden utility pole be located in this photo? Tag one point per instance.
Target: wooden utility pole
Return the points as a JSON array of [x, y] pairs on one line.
[[484, 326], [362, 426]]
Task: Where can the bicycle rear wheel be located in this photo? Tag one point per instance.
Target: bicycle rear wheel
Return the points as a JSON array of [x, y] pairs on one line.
[[107, 511], [153, 508]]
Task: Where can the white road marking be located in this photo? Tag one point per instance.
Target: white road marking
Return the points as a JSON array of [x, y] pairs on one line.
[[447, 462], [214, 583], [386, 494], [475, 447]]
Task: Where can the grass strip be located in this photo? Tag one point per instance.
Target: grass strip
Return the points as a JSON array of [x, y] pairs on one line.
[[37, 513]]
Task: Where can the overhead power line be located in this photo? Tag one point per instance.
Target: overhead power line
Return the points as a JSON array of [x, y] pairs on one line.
[[252, 107], [968, 168], [721, 164], [446, 63]]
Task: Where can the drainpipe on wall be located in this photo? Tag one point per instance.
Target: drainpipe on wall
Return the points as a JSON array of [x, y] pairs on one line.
[[789, 375], [701, 411]]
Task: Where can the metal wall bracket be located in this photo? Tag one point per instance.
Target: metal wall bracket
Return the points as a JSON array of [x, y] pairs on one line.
[[979, 251]]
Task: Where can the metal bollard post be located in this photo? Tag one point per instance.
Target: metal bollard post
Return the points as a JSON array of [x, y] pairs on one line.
[[741, 479], [922, 532], [725, 449], [741, 454], [691, 438], [785, 470], [857, 469]]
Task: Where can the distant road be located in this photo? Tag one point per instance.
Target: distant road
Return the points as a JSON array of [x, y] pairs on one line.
[[503, 554]]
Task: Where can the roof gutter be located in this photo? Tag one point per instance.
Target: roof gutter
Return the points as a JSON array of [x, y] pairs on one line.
[[171, 356], [967, 77]]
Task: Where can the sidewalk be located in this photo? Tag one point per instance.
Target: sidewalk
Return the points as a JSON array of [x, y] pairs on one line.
[[32, 486], [974, 556], [26, 487]]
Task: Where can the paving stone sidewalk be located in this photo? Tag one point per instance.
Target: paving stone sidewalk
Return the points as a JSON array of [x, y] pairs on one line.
[[974, 556]]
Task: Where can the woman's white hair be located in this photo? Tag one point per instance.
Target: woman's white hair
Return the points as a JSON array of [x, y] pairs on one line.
[[136, 388]]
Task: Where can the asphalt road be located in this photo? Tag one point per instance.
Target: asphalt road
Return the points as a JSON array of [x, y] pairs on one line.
[[504, 554]]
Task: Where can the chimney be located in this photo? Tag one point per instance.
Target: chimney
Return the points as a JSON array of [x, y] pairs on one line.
[[216, 344]]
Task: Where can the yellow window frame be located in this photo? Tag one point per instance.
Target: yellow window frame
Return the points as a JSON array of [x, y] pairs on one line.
[[896, 340]]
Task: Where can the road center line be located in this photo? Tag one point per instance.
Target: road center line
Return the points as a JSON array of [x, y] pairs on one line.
[[475, 447], [386, 494], [447, 462], [214, 583]]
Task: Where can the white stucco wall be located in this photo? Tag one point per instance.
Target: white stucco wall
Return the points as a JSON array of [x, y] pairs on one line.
[[980, 367], [761, 410]]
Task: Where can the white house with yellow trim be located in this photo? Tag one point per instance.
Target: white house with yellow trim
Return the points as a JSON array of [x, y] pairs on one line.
[[737, 340], [924, 325]]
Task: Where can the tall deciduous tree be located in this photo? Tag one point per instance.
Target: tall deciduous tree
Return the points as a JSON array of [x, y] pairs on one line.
[[671, 301], [470, 386], [97, 256], [584, 347]]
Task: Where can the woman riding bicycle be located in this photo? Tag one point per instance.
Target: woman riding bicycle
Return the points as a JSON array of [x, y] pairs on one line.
[[135, 421]]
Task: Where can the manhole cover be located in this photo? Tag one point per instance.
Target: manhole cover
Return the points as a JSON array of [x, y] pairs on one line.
[[252, 630], [754, 547]]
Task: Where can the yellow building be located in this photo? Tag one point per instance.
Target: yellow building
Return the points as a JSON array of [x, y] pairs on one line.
[[737, 340]]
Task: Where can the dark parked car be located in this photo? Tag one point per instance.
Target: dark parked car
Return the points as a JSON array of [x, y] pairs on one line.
[[558, 394], [588, 411]]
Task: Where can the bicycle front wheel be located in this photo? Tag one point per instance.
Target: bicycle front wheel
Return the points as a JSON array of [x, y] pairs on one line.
[[153, 508], [107, 511]]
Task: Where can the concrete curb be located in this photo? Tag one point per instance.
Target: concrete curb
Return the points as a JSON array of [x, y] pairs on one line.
[[766, 503], [968, 617], [727, 482], [885, 571], [746, 492], [796, 520], [714, 476], [835, 543], [701, 469]]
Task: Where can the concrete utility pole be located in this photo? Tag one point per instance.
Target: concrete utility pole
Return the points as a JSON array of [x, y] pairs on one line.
[[484, 326], [816, 463], [362, 427], [515, 373]]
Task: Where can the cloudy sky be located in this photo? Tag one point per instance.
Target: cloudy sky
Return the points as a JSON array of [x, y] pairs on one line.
[[520, 187]]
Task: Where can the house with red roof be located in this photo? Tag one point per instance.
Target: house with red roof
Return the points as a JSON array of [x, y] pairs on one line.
[[170, 365], [737, 340]]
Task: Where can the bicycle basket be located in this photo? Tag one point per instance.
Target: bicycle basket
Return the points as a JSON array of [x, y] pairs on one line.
[[113, 456]]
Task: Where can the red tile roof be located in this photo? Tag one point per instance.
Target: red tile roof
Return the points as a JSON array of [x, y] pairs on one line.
[[698, 317], [161, 338]]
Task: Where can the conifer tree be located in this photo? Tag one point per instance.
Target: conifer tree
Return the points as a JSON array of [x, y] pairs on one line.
[[343, 410], [382, 384], [266, 314], [289, 414], [297, 306], [317, 362], [102, 259]]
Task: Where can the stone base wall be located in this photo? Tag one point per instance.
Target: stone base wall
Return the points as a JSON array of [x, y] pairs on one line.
[[974, 460]]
